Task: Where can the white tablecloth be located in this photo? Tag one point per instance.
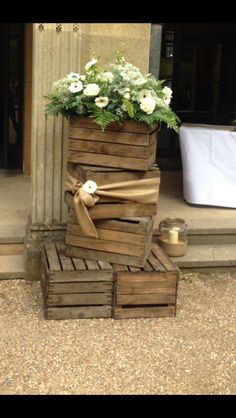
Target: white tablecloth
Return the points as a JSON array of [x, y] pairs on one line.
[[209, 164]]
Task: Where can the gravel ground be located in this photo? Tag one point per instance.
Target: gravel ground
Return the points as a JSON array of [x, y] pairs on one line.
[[193, 353]]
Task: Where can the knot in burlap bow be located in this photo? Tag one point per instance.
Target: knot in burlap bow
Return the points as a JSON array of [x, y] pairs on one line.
[[140, 191]]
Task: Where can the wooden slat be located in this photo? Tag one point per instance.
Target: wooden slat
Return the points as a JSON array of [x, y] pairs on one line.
[[111, 161], [155, 263], [127, 277], [147, 312], [66, 262], [102, 245], [51, 253], [163, 258], [135, 225], [120, 267], [146, 287], [92, 265], [79, 299], [104, 256], [79, 264], [146, 298], [109, 235], [79, 276], [83, 145], [134, 269], [125, 126], [86, 287], [147, 266], [103, 175], [116, 210], [126, 138], [104, 265], [79, 312]]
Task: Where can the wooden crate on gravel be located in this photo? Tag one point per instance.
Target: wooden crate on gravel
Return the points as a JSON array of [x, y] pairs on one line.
[[131, 145], [146, 292], [79, 288], [74, 288], [122, 241]]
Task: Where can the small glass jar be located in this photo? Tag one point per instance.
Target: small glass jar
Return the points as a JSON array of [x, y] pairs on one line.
[[173, 236]]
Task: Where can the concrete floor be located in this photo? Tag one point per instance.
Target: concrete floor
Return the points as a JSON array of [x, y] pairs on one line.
[[15, 198]]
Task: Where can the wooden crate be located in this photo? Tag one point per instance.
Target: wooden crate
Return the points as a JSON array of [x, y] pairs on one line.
[[131, 145], [112, 209], [122, 241], [74, 288], [107, 175], [146, 292], [80, 288]]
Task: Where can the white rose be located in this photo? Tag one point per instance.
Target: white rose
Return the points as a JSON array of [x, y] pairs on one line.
[[76, 86], [90, 63], [167, 95], [167, 92], [148, 105], [90, 187], [107, 76], [91, 90]]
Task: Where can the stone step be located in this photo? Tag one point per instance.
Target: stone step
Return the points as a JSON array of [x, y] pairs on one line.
[[208, 258], [12, 234], [12, 267], [12, 249], [208, 236]]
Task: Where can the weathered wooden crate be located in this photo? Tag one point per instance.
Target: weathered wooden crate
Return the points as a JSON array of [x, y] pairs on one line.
[[112, 209], [146, 292], [122, 241], [107, 175], [131, 145], [75, 288]]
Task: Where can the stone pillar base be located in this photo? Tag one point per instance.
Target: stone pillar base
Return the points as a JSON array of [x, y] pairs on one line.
[[35, 235]]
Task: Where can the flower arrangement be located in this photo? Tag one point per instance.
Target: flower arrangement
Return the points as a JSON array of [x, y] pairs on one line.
[[115, 94]]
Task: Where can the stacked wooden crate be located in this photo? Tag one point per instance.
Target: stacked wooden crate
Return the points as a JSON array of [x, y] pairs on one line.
[[121, 153], [120, 273]]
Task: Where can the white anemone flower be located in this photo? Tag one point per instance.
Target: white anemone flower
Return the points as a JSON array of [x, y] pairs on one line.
[[101, 101], [144, 94], [91, 90], [90, 186], [148, 105], [73, 76], [76, 87], [90, 63]]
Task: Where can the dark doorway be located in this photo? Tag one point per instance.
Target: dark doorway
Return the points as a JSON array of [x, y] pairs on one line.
[[198, 61], [11, 95]]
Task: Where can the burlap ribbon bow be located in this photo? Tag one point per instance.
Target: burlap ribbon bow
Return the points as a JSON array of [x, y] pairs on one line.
[[85, 196]]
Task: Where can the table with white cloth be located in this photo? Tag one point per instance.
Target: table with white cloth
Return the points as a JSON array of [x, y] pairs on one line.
[[209, 164]]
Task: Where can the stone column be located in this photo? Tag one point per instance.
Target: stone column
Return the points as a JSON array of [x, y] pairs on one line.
[[155, 50], [56, 52], [59, 49]]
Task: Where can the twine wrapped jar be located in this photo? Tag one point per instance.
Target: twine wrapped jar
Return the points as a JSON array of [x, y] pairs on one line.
[[173, 236]]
